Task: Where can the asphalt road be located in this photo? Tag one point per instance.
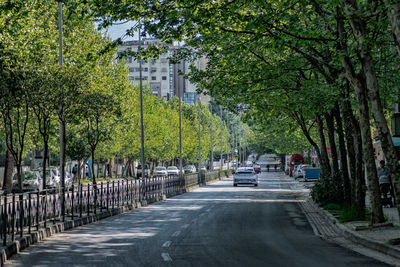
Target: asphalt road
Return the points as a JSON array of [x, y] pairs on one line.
[[216, 225]]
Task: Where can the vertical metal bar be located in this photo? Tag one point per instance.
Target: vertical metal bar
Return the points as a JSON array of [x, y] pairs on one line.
[[118, 196], [72, 202], [113, 198], [13, 218], [80, 201], [21, 215], [29, 213], [141, 106], [101, 197], [37, 210], [45, 209], [88, 200], [108, 193], [54, 206], [5, 221]]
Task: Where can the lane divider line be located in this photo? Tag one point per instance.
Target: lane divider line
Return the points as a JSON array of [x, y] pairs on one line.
[[166, 257], [177, 233], [167, 244]]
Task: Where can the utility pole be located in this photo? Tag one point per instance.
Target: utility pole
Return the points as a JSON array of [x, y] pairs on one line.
[[199, 134], [180, 130], [220, 113], [61, 113], [212, 141], [141, 118]]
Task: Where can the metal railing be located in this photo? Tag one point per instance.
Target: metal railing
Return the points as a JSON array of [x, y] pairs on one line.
[[24, 212]]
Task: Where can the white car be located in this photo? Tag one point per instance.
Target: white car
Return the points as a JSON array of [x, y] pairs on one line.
[[173, 170], [160, 170], [245, 175], [31, 180]]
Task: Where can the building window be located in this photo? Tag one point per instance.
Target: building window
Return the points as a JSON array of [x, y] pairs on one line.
[[131, 78], [153, 78], [137, 69], [137, 78], [164, 78], [146, 69], [145, 78], [164, 70], [153, 70], [131, 69]]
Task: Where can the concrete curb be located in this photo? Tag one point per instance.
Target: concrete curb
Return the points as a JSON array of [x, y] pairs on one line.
[[355, 237]]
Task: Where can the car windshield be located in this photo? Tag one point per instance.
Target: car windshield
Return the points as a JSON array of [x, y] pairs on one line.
[[160, 168], [244, 170], [26, 176], [172, 168]]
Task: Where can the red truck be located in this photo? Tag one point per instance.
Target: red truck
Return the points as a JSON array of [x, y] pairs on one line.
[[295, 159]]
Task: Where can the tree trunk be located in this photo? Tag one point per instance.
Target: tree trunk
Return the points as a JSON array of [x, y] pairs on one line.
[[79, 172], [360, 30], [325, 166], [44, 163], [93, 175], [395, 21], [330, 124], [343, 155], [8, 173], [19, 175], [367, 148]]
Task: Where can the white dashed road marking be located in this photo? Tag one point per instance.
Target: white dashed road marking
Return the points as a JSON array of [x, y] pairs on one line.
[[176, 233], [166, 257], [166, 244]]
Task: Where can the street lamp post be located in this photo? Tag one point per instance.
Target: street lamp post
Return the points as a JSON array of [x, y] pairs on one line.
[[141, 120], [212, 141], [61, 113], [221, 164], [199, 134]]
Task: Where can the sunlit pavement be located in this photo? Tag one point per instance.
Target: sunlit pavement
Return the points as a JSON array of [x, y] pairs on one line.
[[216, 225]]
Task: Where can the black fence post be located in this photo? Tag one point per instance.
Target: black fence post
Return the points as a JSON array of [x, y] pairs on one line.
[[21, 215], [101, 197], [72, 202], [29, 213], [88, 200], [45, 209], [113, 198], [108, 194], [37, 210], [13, 218], [80, 201], [118, 196], [54, 207], [5, 221]]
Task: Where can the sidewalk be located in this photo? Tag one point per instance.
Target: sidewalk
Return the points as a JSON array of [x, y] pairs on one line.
[[381, 241]]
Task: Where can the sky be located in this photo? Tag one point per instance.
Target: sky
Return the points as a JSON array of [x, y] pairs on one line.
[[119, 30]]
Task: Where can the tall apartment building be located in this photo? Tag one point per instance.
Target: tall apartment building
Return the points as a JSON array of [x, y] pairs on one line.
[[157, 74], [162, 77]]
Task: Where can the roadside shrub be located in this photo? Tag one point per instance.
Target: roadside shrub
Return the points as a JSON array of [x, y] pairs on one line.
[[328, 190]]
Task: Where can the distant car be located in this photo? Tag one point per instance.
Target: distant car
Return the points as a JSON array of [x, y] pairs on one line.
[[173, 170], [160, 171], [189, 169], [257, 168], [299, 171], [146, 171], [245, 175], [31, 180]]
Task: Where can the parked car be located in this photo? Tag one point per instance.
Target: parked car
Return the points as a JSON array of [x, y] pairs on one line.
[[31, 180], [146, 171], [299, 171], [160, 170], [245, 175], [173, 170], [257, 168], [189, 169]]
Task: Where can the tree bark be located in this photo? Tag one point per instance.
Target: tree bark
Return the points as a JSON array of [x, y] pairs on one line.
[[8, 173], [360, 30], [331, 137], [343, 155], [395, 21], [325, 165]]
